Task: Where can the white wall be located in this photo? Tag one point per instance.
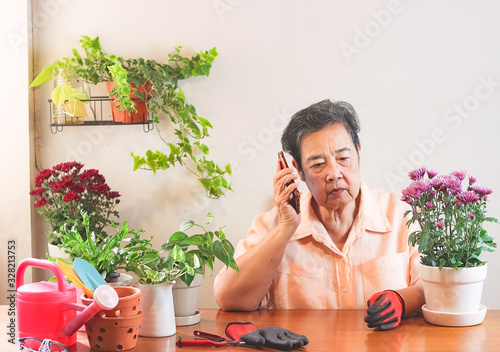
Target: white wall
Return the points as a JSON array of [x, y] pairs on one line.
[[423, 76], [15, 145]]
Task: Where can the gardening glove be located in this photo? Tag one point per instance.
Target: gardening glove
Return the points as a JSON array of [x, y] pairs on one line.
[[270, 336], [385, 310]]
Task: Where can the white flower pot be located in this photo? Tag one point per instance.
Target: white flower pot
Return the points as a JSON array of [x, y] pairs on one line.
[[158, 307], [185, 301], [56, 252], [453, 296]]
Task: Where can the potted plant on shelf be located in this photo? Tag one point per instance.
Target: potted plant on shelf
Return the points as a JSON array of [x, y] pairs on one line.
[[157, 84], [65, 190], [182, 257], [69, 94], [451, 239], [166, 100]]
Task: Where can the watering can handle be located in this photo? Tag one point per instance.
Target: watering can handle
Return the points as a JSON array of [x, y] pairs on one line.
[[44, 264]]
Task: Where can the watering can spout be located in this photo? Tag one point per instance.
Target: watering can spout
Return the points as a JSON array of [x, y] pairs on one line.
[[105, 297]]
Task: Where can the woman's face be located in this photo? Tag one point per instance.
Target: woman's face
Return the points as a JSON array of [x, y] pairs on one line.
[[330, 167]]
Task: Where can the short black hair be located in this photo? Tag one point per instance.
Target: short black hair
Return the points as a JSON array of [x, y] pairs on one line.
[[315, 118]]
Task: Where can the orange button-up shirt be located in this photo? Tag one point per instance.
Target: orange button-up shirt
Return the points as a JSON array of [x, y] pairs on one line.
[[315, 274]]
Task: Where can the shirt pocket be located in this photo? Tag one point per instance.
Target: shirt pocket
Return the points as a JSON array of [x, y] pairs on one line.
[[385, 273]]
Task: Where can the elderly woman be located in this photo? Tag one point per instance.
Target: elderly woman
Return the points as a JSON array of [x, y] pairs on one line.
[[347, 246]]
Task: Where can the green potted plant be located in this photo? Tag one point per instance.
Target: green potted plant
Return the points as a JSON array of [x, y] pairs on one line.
[[451, 239], [203, 247], [182, 257], [108, 253], [166, 101], [66, 189], [69, 94]]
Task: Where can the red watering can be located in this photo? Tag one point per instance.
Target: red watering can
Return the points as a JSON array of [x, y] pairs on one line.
[[48, 310]]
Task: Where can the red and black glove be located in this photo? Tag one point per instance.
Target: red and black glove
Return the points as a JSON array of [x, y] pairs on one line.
[[270, 336], [385, 310]]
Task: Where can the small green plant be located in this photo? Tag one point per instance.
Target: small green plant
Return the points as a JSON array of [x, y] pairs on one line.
[[183, 256], [106, 253], [153, 268], [66, 98], [451, 218], [203, 248]]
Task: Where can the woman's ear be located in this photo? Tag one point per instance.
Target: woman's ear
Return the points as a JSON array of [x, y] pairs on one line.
[[299, 171]]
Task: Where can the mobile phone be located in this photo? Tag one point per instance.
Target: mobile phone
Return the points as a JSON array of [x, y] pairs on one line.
[[294, 200]]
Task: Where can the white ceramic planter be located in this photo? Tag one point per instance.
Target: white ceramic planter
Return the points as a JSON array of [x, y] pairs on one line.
[[56, 252], [453, 296], [158, 307], [185, 301], [451, 290], [186, 297]]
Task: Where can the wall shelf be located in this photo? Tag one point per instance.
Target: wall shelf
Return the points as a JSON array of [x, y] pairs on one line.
[[98, 114]]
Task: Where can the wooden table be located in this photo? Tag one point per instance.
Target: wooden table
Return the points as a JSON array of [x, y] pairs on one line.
[[327, 330]]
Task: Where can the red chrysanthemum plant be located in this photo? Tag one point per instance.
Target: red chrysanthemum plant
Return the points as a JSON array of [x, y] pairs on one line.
[[66, 190], [451, 214]]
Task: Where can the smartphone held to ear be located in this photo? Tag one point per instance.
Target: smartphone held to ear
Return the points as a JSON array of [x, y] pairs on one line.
[[294, 200]]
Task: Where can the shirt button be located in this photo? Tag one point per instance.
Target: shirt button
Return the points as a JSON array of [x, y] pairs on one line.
[[344, 290]]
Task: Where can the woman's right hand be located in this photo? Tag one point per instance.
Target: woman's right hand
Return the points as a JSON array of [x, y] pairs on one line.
[[282, 192]]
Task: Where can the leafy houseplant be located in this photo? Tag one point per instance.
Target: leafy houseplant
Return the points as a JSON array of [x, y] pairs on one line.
[[106, 253], [182, 256], [69, 92], [451, 218], [65, 190], [166, 101]]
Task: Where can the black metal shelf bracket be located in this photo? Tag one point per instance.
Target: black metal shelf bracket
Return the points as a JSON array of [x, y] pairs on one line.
[[98, 118]]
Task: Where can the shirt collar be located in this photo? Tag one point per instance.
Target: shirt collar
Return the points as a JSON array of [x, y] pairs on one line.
[[370, 217]]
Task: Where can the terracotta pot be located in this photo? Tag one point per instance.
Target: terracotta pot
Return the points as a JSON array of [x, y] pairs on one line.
[[141, 115], [113, 333], [129, 299]]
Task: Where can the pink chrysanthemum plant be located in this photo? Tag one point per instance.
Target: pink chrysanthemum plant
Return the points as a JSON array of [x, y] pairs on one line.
[[66, 190], [451, 214]]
